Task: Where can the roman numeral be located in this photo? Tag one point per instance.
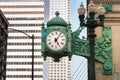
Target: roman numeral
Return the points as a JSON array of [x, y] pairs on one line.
[[63, 39], [49, 43], [49, 36], [62, 43], [48, 39], [52, 45], [52, 33], [56, 33], [55, 46]]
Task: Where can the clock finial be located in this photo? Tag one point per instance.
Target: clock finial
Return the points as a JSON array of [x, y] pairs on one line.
[[57, 13]]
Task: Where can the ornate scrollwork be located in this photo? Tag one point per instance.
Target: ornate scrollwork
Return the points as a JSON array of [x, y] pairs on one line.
[[108, 7], [79, 46], [103, 48]]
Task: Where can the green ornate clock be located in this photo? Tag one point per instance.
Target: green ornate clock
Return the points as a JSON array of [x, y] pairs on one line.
[[56, 38], [59, 41]]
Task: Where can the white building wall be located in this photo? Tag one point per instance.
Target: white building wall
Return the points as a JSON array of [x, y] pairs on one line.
[[59, 70], [19, 53]]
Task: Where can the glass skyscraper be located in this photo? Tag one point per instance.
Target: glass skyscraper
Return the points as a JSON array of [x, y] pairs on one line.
[[27, 16], [59, 70]]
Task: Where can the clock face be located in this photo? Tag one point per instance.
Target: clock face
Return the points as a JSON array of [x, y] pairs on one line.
[[56, 40]]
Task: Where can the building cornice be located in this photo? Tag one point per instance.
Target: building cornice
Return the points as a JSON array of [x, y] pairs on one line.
[[113, 17], [107, 1]]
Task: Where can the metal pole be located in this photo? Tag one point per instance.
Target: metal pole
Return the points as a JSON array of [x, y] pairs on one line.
[[32, 57], [88, 1], [32, 37], [88, 69], [91, 61]]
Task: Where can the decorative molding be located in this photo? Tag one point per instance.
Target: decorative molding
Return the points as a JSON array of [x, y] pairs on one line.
[[107, 1], [108, 7]]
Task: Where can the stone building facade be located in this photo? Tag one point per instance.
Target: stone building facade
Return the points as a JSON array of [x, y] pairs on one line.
[[112, 18]]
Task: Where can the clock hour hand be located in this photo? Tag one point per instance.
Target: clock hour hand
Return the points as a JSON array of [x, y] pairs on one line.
[[55, 40]]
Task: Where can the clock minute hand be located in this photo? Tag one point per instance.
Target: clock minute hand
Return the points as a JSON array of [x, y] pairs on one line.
[[56, 39], [58, 44], [58, 36]]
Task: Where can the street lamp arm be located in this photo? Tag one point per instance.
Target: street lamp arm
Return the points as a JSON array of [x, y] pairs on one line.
[[21, 32], [31, 37]]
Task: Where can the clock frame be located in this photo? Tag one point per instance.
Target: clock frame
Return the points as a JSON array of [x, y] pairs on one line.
[[56, 24]]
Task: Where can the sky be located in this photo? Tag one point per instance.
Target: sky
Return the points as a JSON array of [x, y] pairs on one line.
[[75, 4], [78, 62]]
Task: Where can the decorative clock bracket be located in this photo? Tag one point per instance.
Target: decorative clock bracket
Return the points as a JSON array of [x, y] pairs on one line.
[[103, 48]]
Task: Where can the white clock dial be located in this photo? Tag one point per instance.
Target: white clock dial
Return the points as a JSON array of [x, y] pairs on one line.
[[56, 40]]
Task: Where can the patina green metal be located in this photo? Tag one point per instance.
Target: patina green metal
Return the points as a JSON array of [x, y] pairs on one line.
[[43, 38], [103, 48], [57, 23], [77, 46], [108, 7]]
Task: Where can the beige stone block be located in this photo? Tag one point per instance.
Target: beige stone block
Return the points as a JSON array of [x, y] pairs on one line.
[[116, 47], [116, 8], [98, 32]]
